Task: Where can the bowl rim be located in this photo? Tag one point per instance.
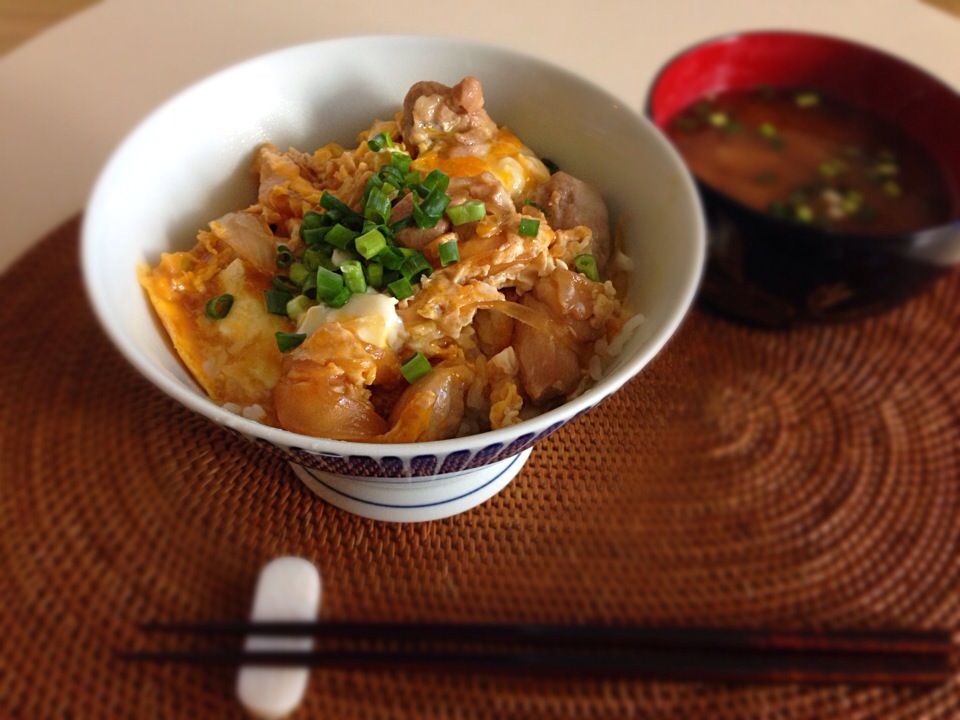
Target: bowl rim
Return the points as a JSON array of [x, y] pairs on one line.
[[535, 427], [857, 238]]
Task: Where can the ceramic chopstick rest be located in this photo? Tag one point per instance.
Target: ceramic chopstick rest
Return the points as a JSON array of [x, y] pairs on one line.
[[288, 589]]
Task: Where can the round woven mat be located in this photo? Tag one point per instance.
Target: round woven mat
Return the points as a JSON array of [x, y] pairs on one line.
[[745, 478]]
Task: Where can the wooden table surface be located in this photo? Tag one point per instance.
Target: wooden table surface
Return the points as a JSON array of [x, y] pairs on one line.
[[22, 19]]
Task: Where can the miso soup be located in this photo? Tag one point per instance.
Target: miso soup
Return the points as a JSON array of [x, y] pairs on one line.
[[806, 157]]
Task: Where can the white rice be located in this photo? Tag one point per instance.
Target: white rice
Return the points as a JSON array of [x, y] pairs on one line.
[[629, 327]]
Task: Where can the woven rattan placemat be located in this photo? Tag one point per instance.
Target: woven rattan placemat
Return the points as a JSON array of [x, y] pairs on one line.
[[801, 478]]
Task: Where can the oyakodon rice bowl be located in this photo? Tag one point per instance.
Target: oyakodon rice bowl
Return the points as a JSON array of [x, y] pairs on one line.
[[405, 295]]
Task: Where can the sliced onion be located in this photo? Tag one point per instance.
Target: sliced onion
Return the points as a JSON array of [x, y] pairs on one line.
[[526, 315], [249, 236]]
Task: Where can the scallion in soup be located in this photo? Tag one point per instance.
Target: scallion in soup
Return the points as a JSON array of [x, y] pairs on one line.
[[810, 158]]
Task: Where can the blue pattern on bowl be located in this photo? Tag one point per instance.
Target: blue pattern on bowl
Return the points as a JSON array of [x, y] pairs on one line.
[[389, 466]]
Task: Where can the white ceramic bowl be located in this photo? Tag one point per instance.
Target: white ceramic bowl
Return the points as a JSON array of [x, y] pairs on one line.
[[188, 163]]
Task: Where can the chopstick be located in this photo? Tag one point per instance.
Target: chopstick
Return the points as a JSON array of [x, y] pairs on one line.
[[879, 657], [880, 641]]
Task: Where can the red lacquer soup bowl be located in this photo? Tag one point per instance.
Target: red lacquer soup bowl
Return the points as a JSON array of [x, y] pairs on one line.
[[768, 269]]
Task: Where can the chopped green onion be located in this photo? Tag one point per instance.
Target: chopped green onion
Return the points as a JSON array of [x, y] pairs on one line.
[[390, 257], [317, 257], [415, 367], [435, 203], [467, 212], [285, 284], [830, 168], [885, 169], [217, 308], [449, 252], [370, 243], [401, 288], [299, 272], [373, 182], [414, 265], [309, 287], [437, 180], [340, 236], [392, 174], [298, 306], [387, 231], [284, 257], [806, 100], [329, 284], [551, 166], [401, 161], [375, 275], [277, 300], [311, 221], [430, 209], [769, 132], [718, 119], [314, 236], [377, 206], [394, 227], [852, 201], [340, 299], [353, 276], [288, 341], [803, 213], [331, 203], [528, 226], [587, 265], [379, 142]]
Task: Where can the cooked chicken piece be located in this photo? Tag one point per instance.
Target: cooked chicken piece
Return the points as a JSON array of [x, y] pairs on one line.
[[323, 389], [552, 356], [483, 186], [548, 358], [431, 408], [494, 331], [568, 203], [433, 111]]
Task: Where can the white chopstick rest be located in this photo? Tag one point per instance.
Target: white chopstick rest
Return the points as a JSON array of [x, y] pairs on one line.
[[288, 589]]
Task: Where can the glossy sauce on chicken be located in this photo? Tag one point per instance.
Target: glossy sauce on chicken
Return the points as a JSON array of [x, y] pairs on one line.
[[441, 241]]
